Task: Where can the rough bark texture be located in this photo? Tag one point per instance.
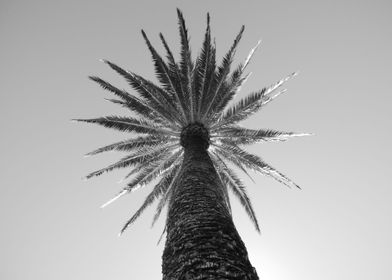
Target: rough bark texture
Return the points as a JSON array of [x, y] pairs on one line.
[[202, 241]]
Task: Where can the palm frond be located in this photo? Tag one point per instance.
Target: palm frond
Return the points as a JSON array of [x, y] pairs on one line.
[[160, 237], [246, 107], [230, 90], [236, 81], [168, 104], [155, 97], [163, 74], [237, 87], [206, 67], [186, 62], [149, 164], [232, 158], [239, 164], [170, 57], [157, 191], [223, 71], [251, 103], [116, 101], [128, 190], [239, 191], [162, 203], [236, 185], [155, 169], [153, 116], [250, 55], [123, 192], [133, 103], [120, 194], [137, 157], [218, 167], [166, 196], [128, 124], [176, 73], [124, 95], [242, 136], [238, 156], [280, 82], [135, 143], [241, 110]]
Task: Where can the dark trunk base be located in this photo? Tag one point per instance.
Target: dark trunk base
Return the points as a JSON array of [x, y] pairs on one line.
[[202, 241]]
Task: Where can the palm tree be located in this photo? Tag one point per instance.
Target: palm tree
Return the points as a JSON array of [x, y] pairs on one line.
[[189, 138]]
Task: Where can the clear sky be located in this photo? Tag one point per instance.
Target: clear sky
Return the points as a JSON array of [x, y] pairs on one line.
[[338, 227]]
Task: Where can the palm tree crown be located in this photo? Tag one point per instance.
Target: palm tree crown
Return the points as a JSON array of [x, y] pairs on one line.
[[190, 105]]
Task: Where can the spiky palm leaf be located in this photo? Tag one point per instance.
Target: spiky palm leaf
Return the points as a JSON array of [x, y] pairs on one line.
[[191, 92]]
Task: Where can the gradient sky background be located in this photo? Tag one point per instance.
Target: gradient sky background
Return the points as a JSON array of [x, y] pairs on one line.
[[338, 227]]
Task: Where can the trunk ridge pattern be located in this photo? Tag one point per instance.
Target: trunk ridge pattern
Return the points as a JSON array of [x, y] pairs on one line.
[[202, 241]]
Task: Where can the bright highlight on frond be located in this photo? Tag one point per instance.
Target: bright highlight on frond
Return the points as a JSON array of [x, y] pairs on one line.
[[123, 192], [190, 91]]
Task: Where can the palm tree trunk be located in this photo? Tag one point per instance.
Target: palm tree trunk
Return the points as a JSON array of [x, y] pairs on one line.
[[202, 241]]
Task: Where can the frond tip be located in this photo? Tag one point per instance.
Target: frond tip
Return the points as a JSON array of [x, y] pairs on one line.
[[123, 192], [252, 51]]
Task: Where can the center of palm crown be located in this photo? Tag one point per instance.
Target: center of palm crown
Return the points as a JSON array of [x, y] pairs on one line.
[[195, 135]]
